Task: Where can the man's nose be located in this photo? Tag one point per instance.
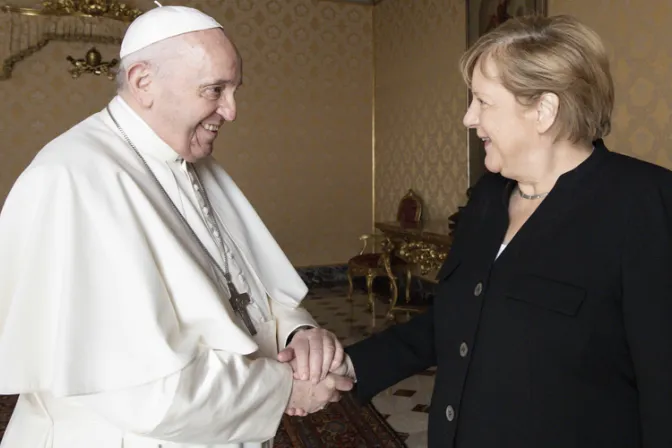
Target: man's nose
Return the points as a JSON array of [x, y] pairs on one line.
[[227, 109]]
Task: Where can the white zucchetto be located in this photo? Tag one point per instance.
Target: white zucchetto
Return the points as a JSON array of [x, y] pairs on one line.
[[162, 23]]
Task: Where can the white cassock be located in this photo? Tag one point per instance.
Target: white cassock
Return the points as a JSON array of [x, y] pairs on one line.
[[114, 326]]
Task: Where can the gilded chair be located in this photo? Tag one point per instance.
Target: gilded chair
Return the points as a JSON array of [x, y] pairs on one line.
[[385, 262]]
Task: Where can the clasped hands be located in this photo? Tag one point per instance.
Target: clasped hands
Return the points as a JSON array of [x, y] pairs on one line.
[[317, 360]]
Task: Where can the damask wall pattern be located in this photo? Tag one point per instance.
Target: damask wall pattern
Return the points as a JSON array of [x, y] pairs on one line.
[[637, 38], [301, 146], [420, 99]]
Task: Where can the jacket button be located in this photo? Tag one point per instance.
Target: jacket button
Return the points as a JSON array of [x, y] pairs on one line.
[[464, 349], [450, 413], [478, 289]]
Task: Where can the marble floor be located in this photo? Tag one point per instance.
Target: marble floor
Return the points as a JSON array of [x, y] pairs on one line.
[[405, 404]]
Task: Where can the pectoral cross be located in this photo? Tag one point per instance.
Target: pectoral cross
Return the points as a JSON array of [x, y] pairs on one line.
[[239, 302]]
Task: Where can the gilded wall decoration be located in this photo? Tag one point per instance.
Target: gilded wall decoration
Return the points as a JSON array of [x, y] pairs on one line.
[[92, 63], [27, 30]]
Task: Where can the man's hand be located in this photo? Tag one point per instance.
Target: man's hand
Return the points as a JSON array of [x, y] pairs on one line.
[[313, 354], [307, 397]]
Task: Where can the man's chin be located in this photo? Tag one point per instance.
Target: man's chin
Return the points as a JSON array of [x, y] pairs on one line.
[[201, 147], [198, 152], [202, 142]]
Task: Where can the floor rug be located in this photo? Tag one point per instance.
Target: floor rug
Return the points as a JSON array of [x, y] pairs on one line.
[[345, 424], [7, 403]]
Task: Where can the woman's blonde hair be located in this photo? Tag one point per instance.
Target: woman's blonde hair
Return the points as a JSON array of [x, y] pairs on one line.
[[536, 55]]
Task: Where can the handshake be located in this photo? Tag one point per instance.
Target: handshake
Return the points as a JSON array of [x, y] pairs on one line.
[[321, 371]]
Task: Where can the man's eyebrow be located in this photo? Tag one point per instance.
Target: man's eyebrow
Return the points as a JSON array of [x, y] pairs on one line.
[[222, 82]]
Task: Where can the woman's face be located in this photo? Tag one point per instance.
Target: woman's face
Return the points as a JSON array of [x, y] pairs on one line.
[[507, 128]]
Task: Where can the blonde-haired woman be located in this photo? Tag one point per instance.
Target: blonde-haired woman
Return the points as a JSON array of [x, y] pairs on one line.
[[552, 322]]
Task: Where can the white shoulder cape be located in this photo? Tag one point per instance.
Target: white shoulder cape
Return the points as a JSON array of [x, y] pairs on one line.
[[102, 288]]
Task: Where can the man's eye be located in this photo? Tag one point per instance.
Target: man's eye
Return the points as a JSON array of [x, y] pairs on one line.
[[214, 91]]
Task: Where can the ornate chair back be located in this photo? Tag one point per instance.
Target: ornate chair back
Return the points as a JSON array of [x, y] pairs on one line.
[[409, 213]]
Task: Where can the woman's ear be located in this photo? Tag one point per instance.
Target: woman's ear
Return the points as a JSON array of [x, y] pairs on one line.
[[547, 111]]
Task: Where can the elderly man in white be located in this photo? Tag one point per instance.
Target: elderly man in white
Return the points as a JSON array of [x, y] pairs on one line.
[[143, 302]]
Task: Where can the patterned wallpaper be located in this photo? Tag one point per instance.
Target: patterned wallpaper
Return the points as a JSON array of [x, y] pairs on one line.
[[301, 147], [420, 99], [637, 36]]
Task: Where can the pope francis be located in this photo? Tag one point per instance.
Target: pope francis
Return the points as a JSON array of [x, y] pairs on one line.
[[143, 303]]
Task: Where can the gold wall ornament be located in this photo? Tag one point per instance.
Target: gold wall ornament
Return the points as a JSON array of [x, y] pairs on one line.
[[8, 64], [92, 63], [80, 8], [25, 31]]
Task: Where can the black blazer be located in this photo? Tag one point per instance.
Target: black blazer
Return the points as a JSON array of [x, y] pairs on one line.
[[564, 341]]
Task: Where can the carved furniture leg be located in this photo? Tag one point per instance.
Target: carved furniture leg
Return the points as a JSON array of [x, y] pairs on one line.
[[369, 287], [409, 278], [393, 289], [351, 287], [395, 297]]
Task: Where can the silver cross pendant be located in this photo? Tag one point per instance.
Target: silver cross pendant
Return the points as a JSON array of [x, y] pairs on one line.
[[240, 302]]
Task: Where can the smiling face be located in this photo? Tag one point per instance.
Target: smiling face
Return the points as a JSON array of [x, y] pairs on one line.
[[508, 129], [189, 96]]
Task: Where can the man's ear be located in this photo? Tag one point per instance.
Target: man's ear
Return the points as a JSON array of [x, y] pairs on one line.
[[139, 79], [547, 111]]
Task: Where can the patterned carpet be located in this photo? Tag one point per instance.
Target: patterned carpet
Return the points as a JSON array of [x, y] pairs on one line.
[[342, 424], [7, 403]]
